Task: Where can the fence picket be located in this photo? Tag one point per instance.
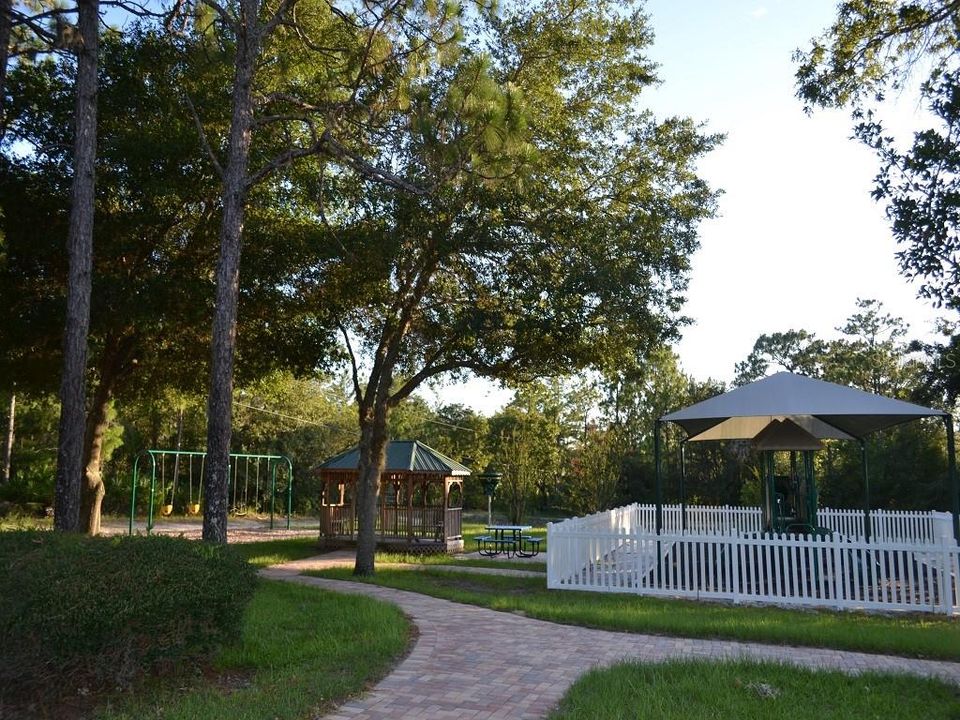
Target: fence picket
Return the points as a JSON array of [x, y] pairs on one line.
[[912, 563]]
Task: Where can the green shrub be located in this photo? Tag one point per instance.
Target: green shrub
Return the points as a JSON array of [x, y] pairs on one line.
[[83, 613]]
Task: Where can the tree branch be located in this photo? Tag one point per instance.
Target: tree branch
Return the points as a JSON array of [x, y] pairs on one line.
[[203, 136], [354, 372]]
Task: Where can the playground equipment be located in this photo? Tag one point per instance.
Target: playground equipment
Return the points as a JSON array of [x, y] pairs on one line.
[[251, 484]]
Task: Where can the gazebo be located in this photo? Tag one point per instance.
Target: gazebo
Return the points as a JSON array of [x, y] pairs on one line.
[[419, 507], [786, 411]]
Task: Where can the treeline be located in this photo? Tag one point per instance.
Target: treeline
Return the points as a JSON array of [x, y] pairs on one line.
[[564, 446]]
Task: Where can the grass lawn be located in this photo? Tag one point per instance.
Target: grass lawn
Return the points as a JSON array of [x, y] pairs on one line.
[[393, 558], [909, 635], [698, 690], [302, 650], [272, 552]]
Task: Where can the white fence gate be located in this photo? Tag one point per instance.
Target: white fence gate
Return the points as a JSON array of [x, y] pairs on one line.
[[910, 563]]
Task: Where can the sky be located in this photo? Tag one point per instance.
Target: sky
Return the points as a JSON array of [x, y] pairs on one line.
[[797, 238]]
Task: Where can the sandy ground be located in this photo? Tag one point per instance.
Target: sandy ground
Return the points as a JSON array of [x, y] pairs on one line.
[[246, 529]]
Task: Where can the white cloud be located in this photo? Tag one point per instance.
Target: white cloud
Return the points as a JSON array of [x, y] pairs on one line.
[[758, 12]]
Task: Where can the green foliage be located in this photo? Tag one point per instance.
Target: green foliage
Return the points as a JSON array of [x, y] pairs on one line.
[[921, 189], [875, 47], [529, 438], [34, 451], [79, 612], [907, 463], [796, 351], [596, 469], [750, 690], [301, 652]]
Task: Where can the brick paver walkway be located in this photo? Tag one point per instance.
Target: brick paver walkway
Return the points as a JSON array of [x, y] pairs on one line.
[[472, 663]]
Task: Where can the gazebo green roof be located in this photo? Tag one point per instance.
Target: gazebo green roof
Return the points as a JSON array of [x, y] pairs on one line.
[[410, 456]]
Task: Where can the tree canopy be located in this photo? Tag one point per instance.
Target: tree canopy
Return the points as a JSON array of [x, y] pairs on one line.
[[558, 227], [875, 48]]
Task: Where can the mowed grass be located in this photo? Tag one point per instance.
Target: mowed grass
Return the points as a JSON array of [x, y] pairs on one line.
[[700, 690], [274, 552], [302, 650], [434, 559], [928, 636]]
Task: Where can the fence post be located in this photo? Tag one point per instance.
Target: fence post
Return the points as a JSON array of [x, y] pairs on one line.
[[735, 549], [836, 575], [947, 589]]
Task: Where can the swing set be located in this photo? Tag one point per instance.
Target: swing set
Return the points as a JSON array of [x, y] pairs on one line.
[[251, 484]]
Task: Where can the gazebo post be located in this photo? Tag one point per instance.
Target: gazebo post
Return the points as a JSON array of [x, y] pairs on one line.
[[659, 479], [683, 480], [866, 489], [952, 476]]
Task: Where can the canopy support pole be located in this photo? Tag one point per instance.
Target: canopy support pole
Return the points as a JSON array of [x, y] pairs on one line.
[[811, 483], [952, 477], [683, 483], [657, 474], [866, 490]]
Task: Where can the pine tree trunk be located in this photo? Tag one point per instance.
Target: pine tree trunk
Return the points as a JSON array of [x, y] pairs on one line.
[[6, 22], [80, 259], [8, 445], [373, 459], [234, 196]]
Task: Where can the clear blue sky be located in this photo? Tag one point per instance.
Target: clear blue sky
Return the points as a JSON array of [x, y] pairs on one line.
[[798, 238]]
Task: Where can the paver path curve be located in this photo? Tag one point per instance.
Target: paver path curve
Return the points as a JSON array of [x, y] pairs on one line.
[[478, 664]]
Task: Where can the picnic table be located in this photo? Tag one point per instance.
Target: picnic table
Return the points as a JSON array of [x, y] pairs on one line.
[[509, 540]]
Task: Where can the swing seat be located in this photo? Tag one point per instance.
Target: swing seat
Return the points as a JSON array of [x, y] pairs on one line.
[[193, 508], [166, 510], [240, 511]]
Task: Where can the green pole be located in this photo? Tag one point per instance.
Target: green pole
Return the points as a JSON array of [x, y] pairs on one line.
[[153, 490], [866, 490], [273, 491], [133, 492], [289, 490], [683, 482], [952, 477], [657, 474], [771, 491], [811, 489]]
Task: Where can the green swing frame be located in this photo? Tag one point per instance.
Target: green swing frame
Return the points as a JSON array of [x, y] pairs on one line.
[[273, 462]]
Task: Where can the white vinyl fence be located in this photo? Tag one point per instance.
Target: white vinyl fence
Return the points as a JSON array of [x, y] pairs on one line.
[[911, 562], [885, 525]]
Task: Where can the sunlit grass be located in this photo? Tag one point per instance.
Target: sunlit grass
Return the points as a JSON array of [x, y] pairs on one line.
[[700, 690], [434, 559], [910, 635], [274, 552], [301, 651]]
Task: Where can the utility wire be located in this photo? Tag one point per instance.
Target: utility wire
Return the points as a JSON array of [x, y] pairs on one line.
[[287, 417]]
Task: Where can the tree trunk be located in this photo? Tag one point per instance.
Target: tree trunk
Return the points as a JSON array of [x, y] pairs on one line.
[[373, 459], [80, 258], [8, 445], [114, 368], [97, 424], [6, 22], [234, 196]]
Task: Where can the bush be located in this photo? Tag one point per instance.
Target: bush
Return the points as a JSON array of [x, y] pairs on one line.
[[80, 613]]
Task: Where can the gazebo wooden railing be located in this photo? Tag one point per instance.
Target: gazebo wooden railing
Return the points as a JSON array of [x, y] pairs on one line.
[[419, 506]]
